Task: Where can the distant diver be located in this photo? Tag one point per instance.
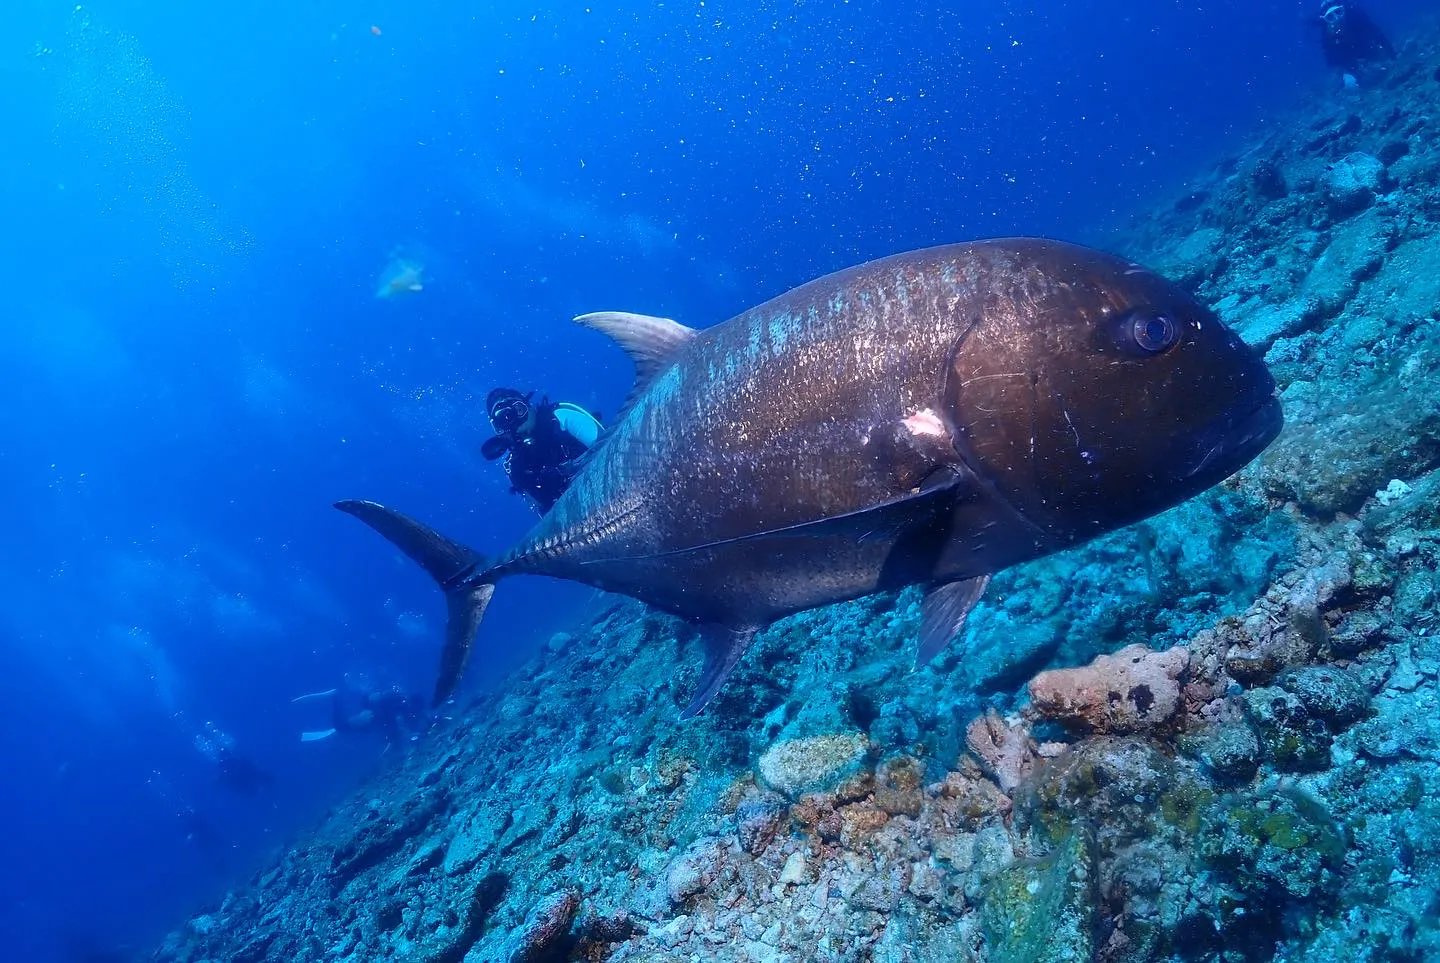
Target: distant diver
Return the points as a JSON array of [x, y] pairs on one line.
[[541, 442], [234, 770], [241, 773], [1350, 39], [393, 712]]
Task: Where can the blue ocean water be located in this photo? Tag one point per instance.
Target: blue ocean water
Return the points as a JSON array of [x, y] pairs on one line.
[[199, 204]]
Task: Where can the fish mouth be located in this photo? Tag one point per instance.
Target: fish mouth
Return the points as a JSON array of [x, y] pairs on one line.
[[1233, 443]]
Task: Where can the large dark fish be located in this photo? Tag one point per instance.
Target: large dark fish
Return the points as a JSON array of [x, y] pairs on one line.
[[931, 418]]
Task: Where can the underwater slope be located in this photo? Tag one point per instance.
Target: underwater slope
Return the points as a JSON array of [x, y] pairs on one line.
[[1271, 789]]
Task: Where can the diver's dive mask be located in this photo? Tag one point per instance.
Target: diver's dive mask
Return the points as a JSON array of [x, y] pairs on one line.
[[509, 414]]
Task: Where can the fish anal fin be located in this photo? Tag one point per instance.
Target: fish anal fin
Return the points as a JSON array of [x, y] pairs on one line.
[[943, 612], [723, 648]]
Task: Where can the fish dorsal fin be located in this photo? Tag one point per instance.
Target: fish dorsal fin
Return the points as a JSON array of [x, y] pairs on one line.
[[652, 343]]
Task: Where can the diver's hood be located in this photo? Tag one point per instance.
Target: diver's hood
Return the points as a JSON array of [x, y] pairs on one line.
[[495, 446]]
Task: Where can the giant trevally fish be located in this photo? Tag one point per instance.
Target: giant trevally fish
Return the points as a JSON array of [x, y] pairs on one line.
[[931, 418]]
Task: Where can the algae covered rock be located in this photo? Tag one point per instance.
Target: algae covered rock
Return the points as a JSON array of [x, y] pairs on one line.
[[1279, 843], [1293, 740], [1297, 720], [1231, 751], [1124, 789], [1329, 694], [758, 819], [1003, 748], [1353, 182], [795, 766], [546, 930], [695, 870], [1043, 911]]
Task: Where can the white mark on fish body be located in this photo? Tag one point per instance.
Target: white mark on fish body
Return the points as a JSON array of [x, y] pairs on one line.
[[1066, 412], [925, 422]]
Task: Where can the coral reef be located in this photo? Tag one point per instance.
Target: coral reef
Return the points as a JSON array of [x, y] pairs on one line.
[[1234, 753]]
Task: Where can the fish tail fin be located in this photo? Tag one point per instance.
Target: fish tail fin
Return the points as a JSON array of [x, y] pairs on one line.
[[460, 572]]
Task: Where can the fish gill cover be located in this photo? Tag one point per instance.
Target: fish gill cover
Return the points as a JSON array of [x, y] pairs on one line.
[[1211, 735]]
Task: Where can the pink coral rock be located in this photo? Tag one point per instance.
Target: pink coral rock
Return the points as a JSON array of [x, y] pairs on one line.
[[1005, 750], [1131, 691]]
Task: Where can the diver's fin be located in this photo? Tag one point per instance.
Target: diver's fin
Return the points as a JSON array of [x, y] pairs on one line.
[[723, 648], [316, 735], [653, 344], [459, 571], [943, 613], [314, 695]]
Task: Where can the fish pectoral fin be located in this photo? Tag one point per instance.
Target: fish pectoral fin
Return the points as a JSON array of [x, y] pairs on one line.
[[934, 495], [724, 646], [943, 612], [925, 504]]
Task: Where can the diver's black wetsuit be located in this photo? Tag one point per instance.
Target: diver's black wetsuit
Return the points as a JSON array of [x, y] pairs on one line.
[[1350, 38], [391, 711], [542, 462], [240, 773]]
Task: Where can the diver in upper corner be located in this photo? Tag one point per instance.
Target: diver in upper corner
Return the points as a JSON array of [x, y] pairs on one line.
[[541, 442], [1351, 39]]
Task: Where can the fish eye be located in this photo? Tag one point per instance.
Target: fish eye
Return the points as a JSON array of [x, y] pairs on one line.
[[1152, 332]]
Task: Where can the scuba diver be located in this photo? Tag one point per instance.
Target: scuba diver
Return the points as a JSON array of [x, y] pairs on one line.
[[233, 769], [1350, 38], [241, 773], [540, 441], [393, 712]]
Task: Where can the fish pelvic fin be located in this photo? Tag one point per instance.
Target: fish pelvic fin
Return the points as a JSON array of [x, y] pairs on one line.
[[943, 612], [459, 570], [723, 648]]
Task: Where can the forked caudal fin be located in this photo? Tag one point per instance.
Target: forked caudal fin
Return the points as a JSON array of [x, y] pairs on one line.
[[454, 567]]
